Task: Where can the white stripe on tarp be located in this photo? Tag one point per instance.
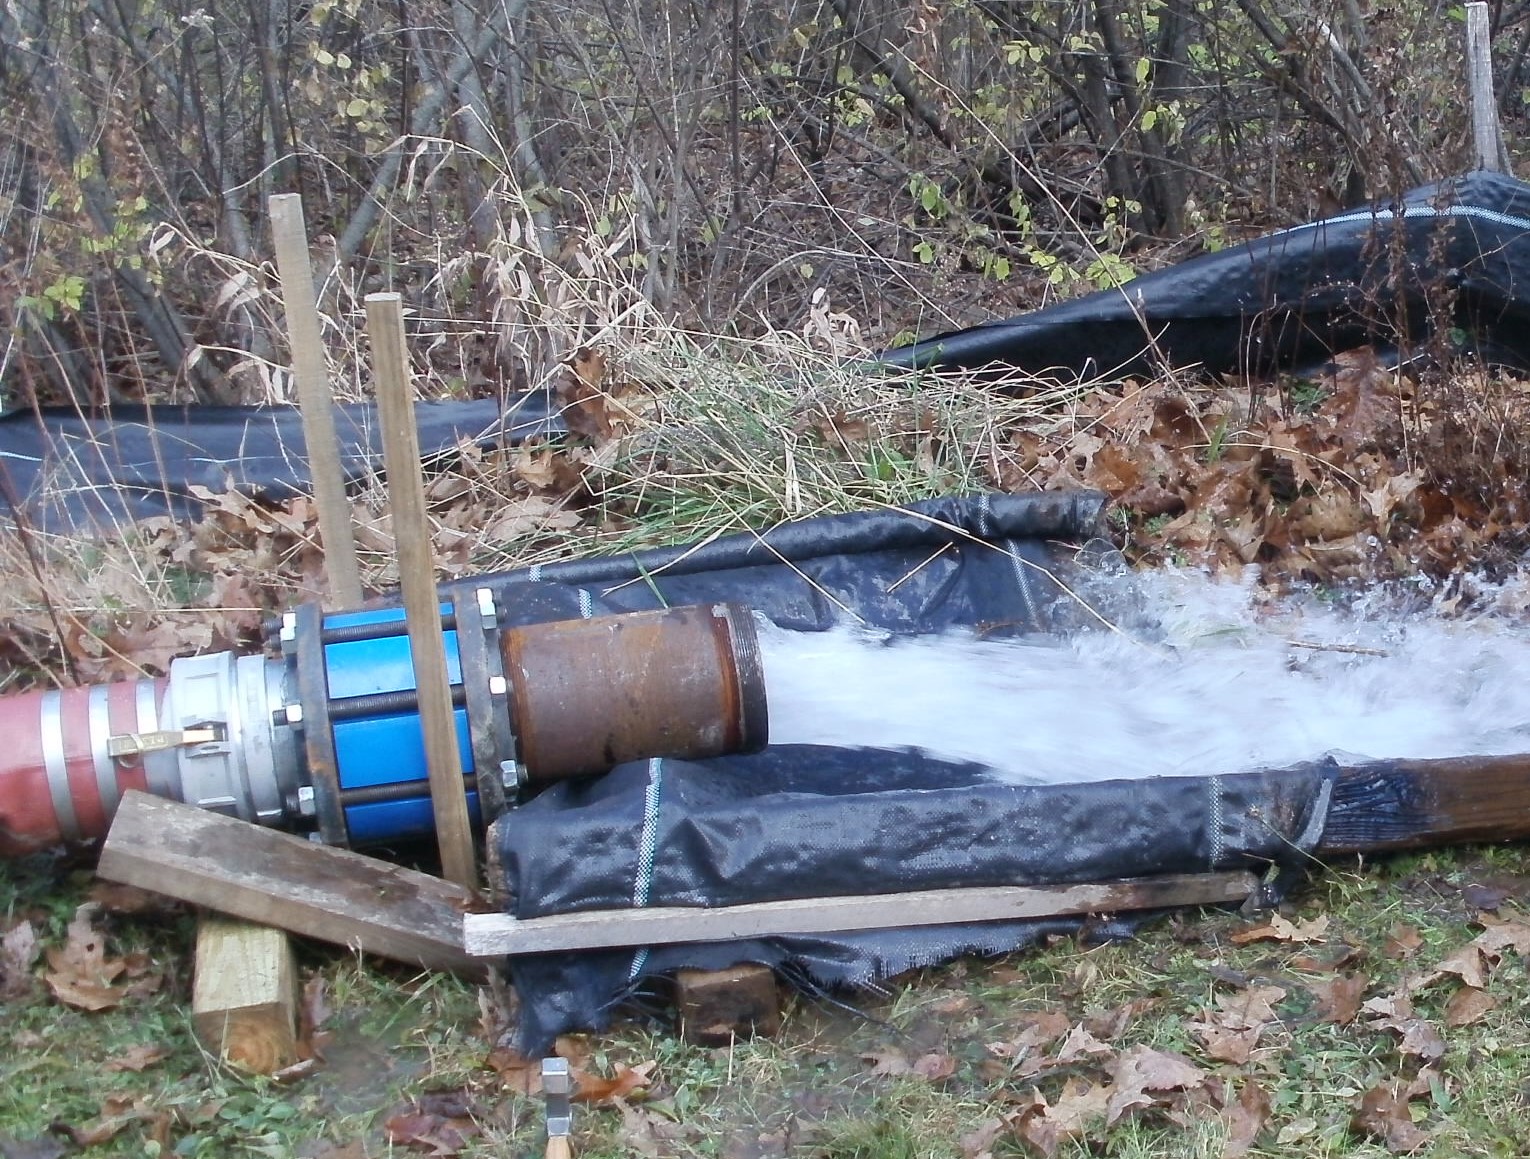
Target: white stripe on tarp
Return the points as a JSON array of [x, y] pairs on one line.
[[648, 846], [1409, 213]]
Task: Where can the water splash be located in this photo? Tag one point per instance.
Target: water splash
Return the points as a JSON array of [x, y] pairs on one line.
[[1205, 678]]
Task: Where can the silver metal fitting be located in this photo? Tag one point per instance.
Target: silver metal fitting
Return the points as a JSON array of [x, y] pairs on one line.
[[293, 713], [498, 685], [306, 806], [486, 609], [512, 775], [288, 633]]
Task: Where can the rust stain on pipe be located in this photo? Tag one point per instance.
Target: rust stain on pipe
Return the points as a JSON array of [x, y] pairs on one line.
[[586, 695]]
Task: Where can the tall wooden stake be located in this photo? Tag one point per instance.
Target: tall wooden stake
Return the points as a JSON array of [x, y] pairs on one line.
[[417, 578], [315, 400], [1487, 136]]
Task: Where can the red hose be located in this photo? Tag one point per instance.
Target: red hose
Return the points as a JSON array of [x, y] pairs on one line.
[[57, 782]]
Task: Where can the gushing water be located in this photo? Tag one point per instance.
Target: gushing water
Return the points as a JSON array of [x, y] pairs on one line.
[[1217, 685]]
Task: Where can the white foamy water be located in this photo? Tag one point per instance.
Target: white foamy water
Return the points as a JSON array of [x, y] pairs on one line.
[[1215, 686]]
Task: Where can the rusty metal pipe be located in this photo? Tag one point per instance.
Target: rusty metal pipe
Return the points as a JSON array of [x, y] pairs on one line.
[[589, 694]]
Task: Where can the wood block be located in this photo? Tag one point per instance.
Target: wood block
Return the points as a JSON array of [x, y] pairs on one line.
[[713, 1007], [244, 997], [280, 880]]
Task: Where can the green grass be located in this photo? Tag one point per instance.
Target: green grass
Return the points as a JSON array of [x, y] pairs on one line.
[[810, 1091]]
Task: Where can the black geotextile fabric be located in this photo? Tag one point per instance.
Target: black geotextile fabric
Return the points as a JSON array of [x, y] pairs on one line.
[[67, 468], [1451, 256], [1454, 254], [805, 821]]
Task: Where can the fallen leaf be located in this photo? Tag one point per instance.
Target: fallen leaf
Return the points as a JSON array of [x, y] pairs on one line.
[[627, 1079], [117, 898], [137, 1058], [1224, 1045], [978, 1144], [888, 1061], [80, 974], [1142, 1076], [1382, 1113], [1081, 1044], [1111, 1024], [1468, 1005], [1476, 960], [1279, 929], [439, 1123], [934, 1067], [1403, 942], [1246, 1009], [643, 1132], [517, 1072], [1339, 997], [1245, 1118]]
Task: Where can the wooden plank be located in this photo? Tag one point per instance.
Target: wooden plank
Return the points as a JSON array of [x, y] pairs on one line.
[[417, 578], [1487, 135], [263, 875], [494, 935], [715, 1007], [315, 400], [1404, 804], [244, 995]]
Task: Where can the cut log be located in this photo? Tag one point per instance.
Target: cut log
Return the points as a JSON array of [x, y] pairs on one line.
[[315, 890], [494, 935], [244, 996], [714, 1007]]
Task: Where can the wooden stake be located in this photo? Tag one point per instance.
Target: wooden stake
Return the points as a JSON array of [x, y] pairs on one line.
[[315, 401], [244, 998], [495, 935], [417, 578], [1487, 135], [263, 875]]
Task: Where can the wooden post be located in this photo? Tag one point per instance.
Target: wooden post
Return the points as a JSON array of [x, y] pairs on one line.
[[315, 401], [417, 578], [1487, 135], [244, 998]]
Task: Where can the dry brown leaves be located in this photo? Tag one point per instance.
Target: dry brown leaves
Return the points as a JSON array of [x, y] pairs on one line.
[[79, 973], [1359, 473], [1384, 1114], [438, 1123]]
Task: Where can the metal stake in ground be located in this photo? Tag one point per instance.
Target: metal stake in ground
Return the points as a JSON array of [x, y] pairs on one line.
[[557, 1087], [422, 611]]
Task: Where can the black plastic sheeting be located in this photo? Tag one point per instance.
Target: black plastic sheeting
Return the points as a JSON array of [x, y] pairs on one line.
[[1452, 256], [66, 468], [807, 821], [1378, 276]]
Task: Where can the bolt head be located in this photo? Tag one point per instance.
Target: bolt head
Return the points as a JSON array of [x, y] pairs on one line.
[[512, 775], [307, 806], [498, 685], [294, 713]]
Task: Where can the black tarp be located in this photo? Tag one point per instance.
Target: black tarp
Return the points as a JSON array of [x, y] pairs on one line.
[[799, 820], [1380, 275], [1448, 260], [69, 468]]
